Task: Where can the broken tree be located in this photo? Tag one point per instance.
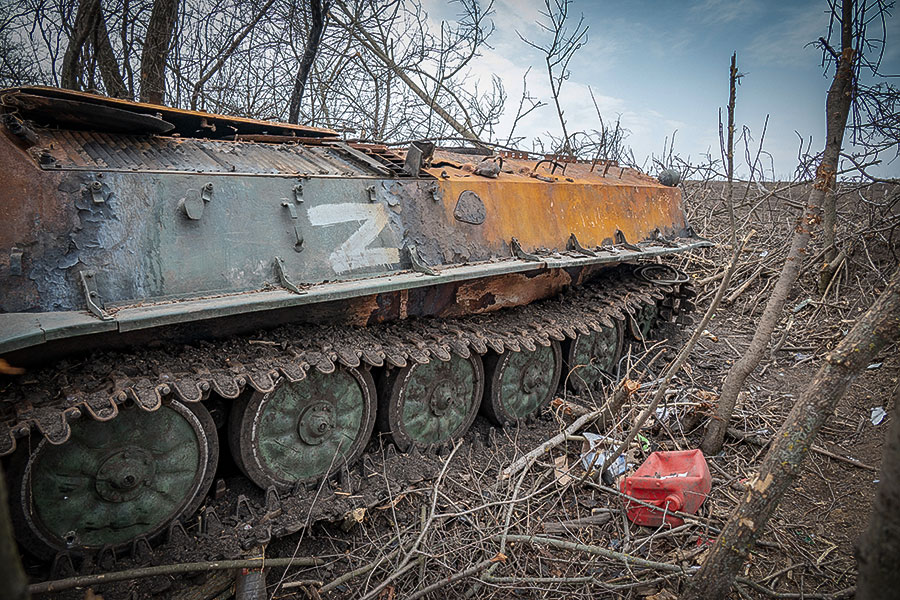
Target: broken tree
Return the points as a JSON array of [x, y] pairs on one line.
[[837, 107], [880, 544], [781, 467]]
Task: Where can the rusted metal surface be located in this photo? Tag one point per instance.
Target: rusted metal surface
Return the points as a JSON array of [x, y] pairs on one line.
[[455, 299], [480, 288], [85, 150], [83, 115], [177, 230], [543, 213], [31, 219], [190, 123]]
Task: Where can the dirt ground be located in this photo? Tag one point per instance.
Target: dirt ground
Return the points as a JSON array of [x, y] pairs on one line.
[[550, 531], [808, 548]]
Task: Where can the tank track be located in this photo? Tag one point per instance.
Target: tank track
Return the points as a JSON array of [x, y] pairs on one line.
[[46, 399]]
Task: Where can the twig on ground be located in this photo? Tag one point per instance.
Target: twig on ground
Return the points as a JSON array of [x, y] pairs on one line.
[[85, 580], [360, 571], [406, 558], [553, 442], [457, 576]]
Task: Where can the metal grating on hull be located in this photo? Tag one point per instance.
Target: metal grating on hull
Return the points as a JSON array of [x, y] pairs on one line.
[[103, 151]]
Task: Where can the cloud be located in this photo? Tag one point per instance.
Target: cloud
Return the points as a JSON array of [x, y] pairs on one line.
[[672, 80], [785, 41], [518, 14], [510, 60], [721, 12]]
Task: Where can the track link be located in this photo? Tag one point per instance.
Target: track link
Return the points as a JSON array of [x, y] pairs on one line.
[[47, 399]]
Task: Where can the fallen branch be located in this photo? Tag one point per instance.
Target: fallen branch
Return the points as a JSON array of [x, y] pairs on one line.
[[360, 571], [564, 526], [682, 355], [46, 587], [404, 563], [290, 585], [845, 593], [743, 287], [457, 576], [553, 442], [593, 579], [596, 550], [763, 442]]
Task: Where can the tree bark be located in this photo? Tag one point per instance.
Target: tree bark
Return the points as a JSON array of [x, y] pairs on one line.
[[156, 50], [829, 222], [72, 68], [879, 546], [729, 149], [837, 107], [313, 39], [781, 466], [106, 59], [13, 584], [829, 205]]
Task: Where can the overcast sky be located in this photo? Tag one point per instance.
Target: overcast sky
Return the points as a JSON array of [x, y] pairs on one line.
[[663, 66]]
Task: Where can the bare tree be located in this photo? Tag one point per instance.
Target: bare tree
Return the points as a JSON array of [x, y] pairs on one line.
[[244, 56], [85, 21], [214, 64], [527, 104], [450, 54], [16, 67], [318, 9], [558, 52], [608, 143], [157, 44], [837, 108], [107, 61], [89, 45], [874, 125]]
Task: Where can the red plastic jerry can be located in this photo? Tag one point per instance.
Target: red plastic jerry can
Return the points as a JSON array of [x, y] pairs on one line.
[[677, 479]]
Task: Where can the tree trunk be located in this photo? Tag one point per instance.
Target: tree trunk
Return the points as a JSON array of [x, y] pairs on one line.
[[781, 466], [829, 206], [72, 68], [880, 544], [156, 50], [106, 59], [729, 149], [554, 91], [316, 30], [829, 222], [837, 107], [13, 584]]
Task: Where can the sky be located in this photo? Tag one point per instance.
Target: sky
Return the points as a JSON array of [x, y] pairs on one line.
[[662, 66]]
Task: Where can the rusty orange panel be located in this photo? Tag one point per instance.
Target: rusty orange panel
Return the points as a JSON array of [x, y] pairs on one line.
[[541, 213]]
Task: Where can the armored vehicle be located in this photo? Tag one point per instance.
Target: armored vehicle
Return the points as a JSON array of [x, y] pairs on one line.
[[169, 278]]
